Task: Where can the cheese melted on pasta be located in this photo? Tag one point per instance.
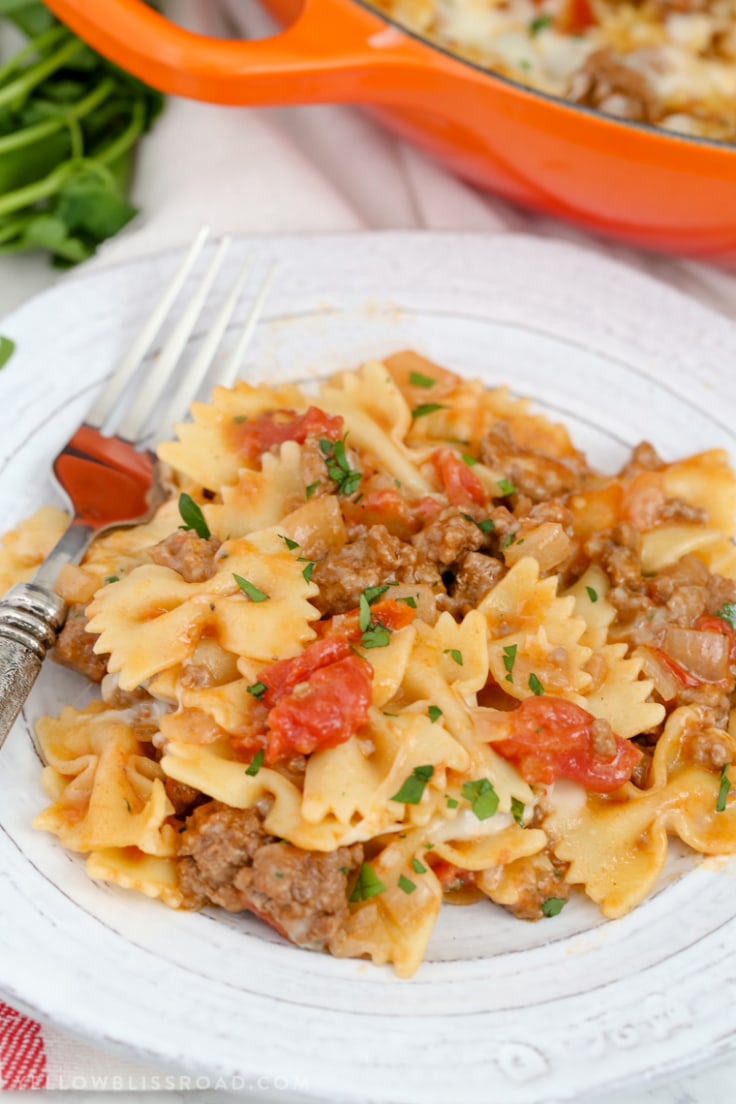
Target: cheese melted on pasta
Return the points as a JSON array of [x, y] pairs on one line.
[[391, 644], [671, 63]]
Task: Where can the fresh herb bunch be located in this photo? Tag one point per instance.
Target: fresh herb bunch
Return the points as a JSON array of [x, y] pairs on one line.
[[69, 123]]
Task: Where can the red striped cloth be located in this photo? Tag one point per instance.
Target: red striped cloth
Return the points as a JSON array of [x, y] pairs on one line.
[[22, 1052]]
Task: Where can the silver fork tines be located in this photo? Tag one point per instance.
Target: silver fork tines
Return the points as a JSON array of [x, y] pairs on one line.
[[109, 479]]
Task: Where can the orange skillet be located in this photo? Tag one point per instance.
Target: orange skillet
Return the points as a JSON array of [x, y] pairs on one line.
[[622, 179]]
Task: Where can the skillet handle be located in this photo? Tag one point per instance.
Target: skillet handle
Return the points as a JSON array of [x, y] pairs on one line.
[[335, 51]]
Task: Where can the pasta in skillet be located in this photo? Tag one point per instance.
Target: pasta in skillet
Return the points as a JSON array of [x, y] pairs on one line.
[[391, 644]]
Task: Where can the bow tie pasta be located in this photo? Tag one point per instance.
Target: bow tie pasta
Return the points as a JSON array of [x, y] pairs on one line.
[[392, 643]]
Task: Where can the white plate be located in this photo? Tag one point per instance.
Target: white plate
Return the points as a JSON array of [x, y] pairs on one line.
[[502, 1010]]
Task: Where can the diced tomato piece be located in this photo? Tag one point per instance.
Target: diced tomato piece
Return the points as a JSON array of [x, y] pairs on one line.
[[683, 676], [578, 16], [461, 485], [427, 510], [253, 438], [321, 712], [281, 677], [713, 623], [452, 877], [550, 738], [382, 507], [390, 612]]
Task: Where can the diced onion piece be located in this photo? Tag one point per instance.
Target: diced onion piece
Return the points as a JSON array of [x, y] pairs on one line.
[[704, 654], [665, 683], [548, 543]]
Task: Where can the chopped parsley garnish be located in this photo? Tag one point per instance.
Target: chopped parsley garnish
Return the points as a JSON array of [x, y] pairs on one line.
[[411, 602], [535, 685], [416, 379], [506, 487], [376, 636], [455, 654], [192, 516], [307, 572], [540, 24], [418, 867], [509, 659], [434, 713], [723, 791], [427, 408], [375, 592], [7, 348], [256, 765], [112, 579], [257, 689], [482, 797], [345, 478], [290, 544], [406, 884], [517, 810], [250, 589], [413, 787], [309, 491], [592, 594], [486, 525], [728, 613], [364, 613], [128, 806], [452, 802], [469, 460], [508, 540], [368, 884], [553, 906]]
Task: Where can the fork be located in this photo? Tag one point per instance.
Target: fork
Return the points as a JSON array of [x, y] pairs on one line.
[[111, 479]]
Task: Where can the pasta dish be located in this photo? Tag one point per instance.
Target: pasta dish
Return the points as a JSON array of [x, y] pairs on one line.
[[393, 643], [670, 63]]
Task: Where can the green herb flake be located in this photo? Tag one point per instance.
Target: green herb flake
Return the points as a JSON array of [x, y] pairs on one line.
[[417, 866], [482, 797], [307, 572], [406, 884], [413, 787], [427, 408], [592, 594], [517, 811], [290, 544], [411, 602], [376, 636], [344, 869], [455, 654], [508, 540], [192, 516], [535, 685], [728, 613], [345, 478], [250, 589], [7, 348], [509, 659], [112, 579], [128, 806], [364, 613], [434, 713], [470, 460], [540, 24], [723, 791], [256, 765], [373, 593], [506, 487], [553, 906], [452, 802], [416, 379], [257, 689], [368, 884]]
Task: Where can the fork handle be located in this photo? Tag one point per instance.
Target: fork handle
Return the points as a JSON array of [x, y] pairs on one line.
[[30, 619]]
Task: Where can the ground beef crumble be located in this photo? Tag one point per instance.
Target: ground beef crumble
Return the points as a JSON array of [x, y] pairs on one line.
[[227, 858], [183, 551]]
